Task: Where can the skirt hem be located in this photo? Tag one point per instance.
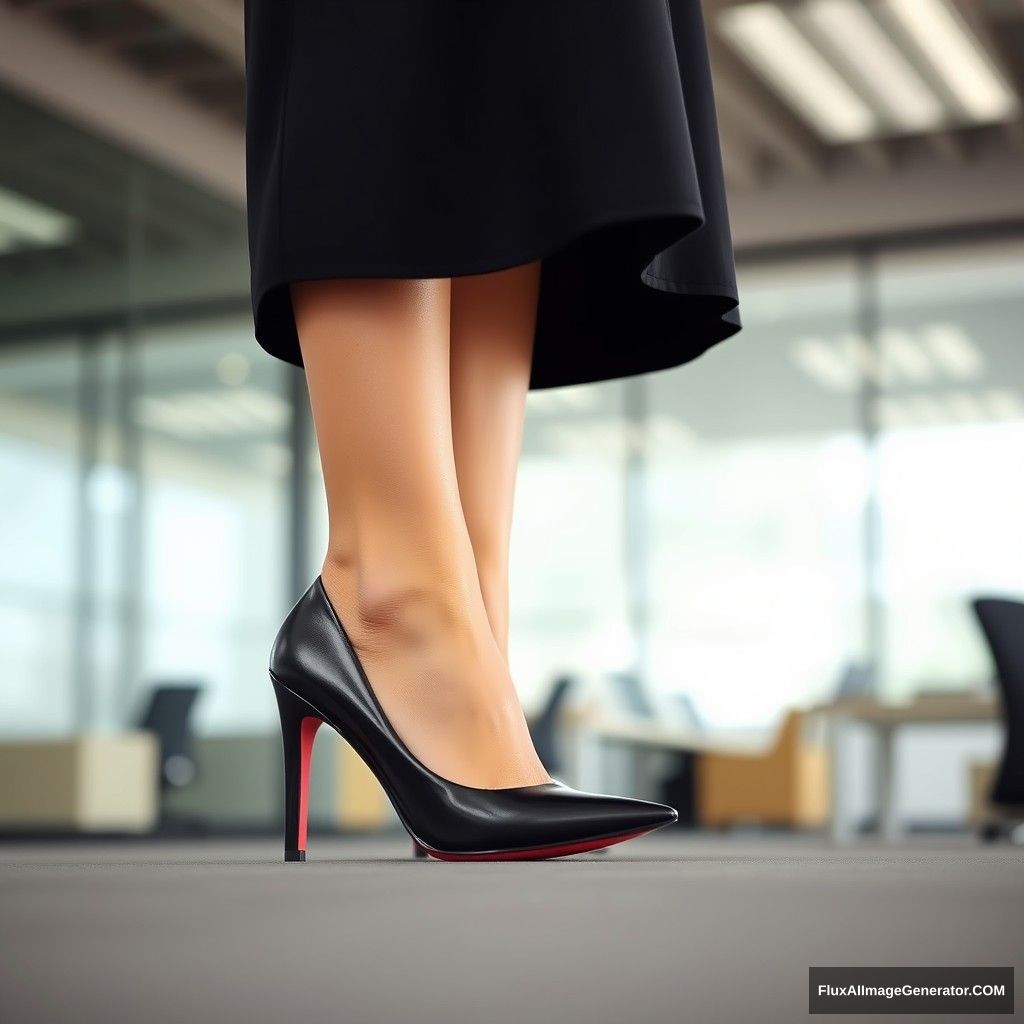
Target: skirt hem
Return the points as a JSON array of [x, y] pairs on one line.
[[275, 326]]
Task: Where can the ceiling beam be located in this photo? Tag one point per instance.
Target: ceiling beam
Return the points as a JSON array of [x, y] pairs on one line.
[[748, 104], [983, 33], [97, 288], [45, 65], [856, 202], [217, 23]]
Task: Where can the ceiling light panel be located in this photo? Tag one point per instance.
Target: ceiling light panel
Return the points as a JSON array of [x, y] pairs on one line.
[[957, 57], [882, 71], [958, 357], [825, 365], [770, 42], [965, 407], [25, 224], [1004, 404], [903, 357]]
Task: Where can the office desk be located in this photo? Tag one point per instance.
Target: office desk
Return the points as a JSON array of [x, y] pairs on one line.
[[885, 720], [587, 730]]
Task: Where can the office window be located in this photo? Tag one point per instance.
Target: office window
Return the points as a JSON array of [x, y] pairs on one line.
[[755, 492], [951, 456], [568, 539], [39, 483], [213, 418]]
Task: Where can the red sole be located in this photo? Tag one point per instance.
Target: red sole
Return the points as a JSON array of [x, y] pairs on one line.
[[540, 852], [306, 736]]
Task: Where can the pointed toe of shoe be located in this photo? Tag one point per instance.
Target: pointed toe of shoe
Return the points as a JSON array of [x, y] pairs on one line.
[[593, 816], [659, 815], [644, 816]]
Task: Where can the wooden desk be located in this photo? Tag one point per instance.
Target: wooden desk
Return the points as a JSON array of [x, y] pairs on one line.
[[885, 720]]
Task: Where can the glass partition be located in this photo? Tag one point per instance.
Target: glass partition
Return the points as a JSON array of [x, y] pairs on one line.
[[569, 539], [39, 524], [755, 498], [213, 418], [951, 455], [828, 489]]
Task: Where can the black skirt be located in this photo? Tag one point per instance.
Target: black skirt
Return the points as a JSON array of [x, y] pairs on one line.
[[438, 138]]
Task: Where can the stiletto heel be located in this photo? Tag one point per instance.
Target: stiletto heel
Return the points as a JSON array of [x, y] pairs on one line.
[[318, 678], [299, 723]]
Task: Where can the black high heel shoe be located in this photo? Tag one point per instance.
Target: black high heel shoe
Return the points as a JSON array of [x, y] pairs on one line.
[[317, 678]]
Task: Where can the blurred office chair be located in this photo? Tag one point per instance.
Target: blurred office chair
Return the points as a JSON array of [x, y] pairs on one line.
[[1002, 622], [856, 680], [544, 728], [630, 694], [168, 715], [786, 785], [685, 713]]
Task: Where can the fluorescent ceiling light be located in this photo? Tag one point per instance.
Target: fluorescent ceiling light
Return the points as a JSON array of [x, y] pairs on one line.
[[766, 38], [824, 365], [892, 413], [555, 400], [24, 223], [600, 439], [957, 57], [866, 358], [667, 435], [955, 353], [926, 410], [576, 398], [1004, 404], [231, 412], [965, 407], [258, 407], [883, 70], [903, 357]]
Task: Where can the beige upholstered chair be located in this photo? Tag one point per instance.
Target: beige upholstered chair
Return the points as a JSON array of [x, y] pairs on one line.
[[786, 785]]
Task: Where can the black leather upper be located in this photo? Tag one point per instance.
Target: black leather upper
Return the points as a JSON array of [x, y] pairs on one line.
[[313, 658]]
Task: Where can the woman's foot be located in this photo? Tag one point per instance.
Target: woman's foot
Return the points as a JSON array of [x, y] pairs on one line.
[[318, 678], [437, 672]]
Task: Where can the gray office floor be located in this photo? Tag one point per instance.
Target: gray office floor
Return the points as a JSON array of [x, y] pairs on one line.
[[675, 929]]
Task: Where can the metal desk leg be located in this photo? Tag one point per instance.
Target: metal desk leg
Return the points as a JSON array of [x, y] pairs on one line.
[[885, 781], [842, 832]]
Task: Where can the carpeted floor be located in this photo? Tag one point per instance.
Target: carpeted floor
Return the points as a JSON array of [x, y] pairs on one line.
[[674, 930]]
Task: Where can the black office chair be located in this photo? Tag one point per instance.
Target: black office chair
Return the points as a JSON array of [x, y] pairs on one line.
[[544, 728], [168, 714], [685, 713], [857, 679], [1002, 622], [631, 695]]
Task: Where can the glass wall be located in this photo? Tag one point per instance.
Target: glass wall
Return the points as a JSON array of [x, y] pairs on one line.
[[570, 537], [829, 488], [951, 455], [755, 501], [213, 422], [40, 481]]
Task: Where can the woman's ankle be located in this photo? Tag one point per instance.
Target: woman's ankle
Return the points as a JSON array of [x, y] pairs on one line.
[[437, 671], [396, 607]]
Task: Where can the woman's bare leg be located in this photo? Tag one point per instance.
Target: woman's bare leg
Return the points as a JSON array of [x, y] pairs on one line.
[[493, 322], [399, 567]]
